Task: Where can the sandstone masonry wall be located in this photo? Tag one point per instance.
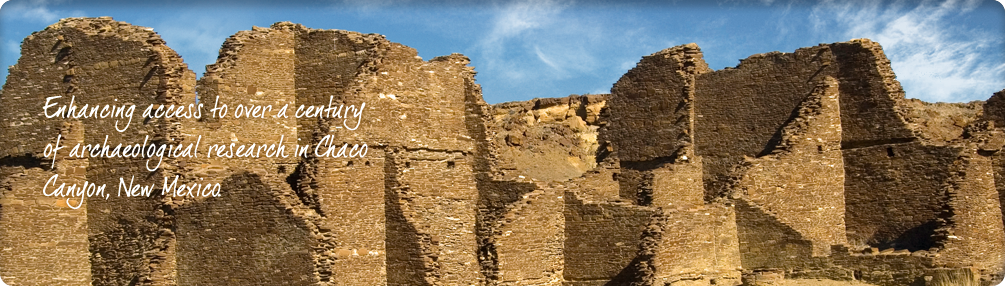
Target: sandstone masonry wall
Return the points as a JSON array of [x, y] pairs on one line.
[[802, 165]]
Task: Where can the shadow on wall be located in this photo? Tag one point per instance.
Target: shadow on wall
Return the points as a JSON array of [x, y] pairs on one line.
[[258, 242], [915, 239]]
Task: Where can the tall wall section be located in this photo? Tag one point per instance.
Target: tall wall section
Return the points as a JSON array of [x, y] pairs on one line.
[[899, 173], [254, 68], [986, 132], [351, 248], [651, 106], [415, 115], [648, 186], [98, 61], [970, 229], [741, 111], [801, 183], [521, 224]]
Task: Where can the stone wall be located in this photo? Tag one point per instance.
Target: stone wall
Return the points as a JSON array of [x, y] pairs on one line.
[[602, 241], [99, 61], [971, 236], [651, 114], [530, 247], [257, 242], [39, 232], [894, 194], [801, 183], [695, 246], [741, 111], [810, 164]]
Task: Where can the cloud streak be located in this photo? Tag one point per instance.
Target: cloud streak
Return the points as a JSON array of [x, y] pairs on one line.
[[37, 11], [514, 24], [934, 59], [199, 41], [538, 47]]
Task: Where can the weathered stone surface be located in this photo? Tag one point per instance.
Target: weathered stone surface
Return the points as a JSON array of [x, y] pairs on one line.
[[547, 139], [790, 166]]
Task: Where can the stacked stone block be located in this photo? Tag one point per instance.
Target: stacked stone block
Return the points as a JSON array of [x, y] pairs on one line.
[[809, 164]]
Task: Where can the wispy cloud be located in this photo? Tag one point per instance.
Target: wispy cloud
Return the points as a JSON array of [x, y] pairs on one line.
[[543, 58], [37, 11], [370, 6], [534, 45], [513, 30], [935, 60], [200, 39], [12, 45]]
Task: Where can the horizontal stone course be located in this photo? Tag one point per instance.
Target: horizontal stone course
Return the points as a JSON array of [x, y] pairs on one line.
[[803, 165]]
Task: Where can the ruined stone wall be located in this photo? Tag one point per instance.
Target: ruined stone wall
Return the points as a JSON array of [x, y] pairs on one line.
[[350, 246], [435, 184], [647, 163], [244, 237], [993, 148], [651, 112], [677, 185], [438, 204], [897, 152], [41, 232], [888, 267], [808, 164], [871, 113], [353, 201], [694, 246], [33, 226], [972, 236], [327, 62], [246, 73], [874, 126], [741, 111], [101, 61], [511, 251], [601, 184], [767, 242], [801, 184], [530, 247], [254, 68], [602, 240], [782, 108], [986, 133], [352, 249], [894, 196]]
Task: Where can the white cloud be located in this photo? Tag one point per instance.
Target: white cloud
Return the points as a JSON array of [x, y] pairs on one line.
[[512, 20], [200, 39], [12, 45], [371, 6], [546, 59], [37, 11], [601, 91], [554, 48], [935, 60], [533, 41], [519, 16]]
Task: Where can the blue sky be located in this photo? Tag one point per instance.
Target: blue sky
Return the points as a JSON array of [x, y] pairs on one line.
[[947, 51]]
